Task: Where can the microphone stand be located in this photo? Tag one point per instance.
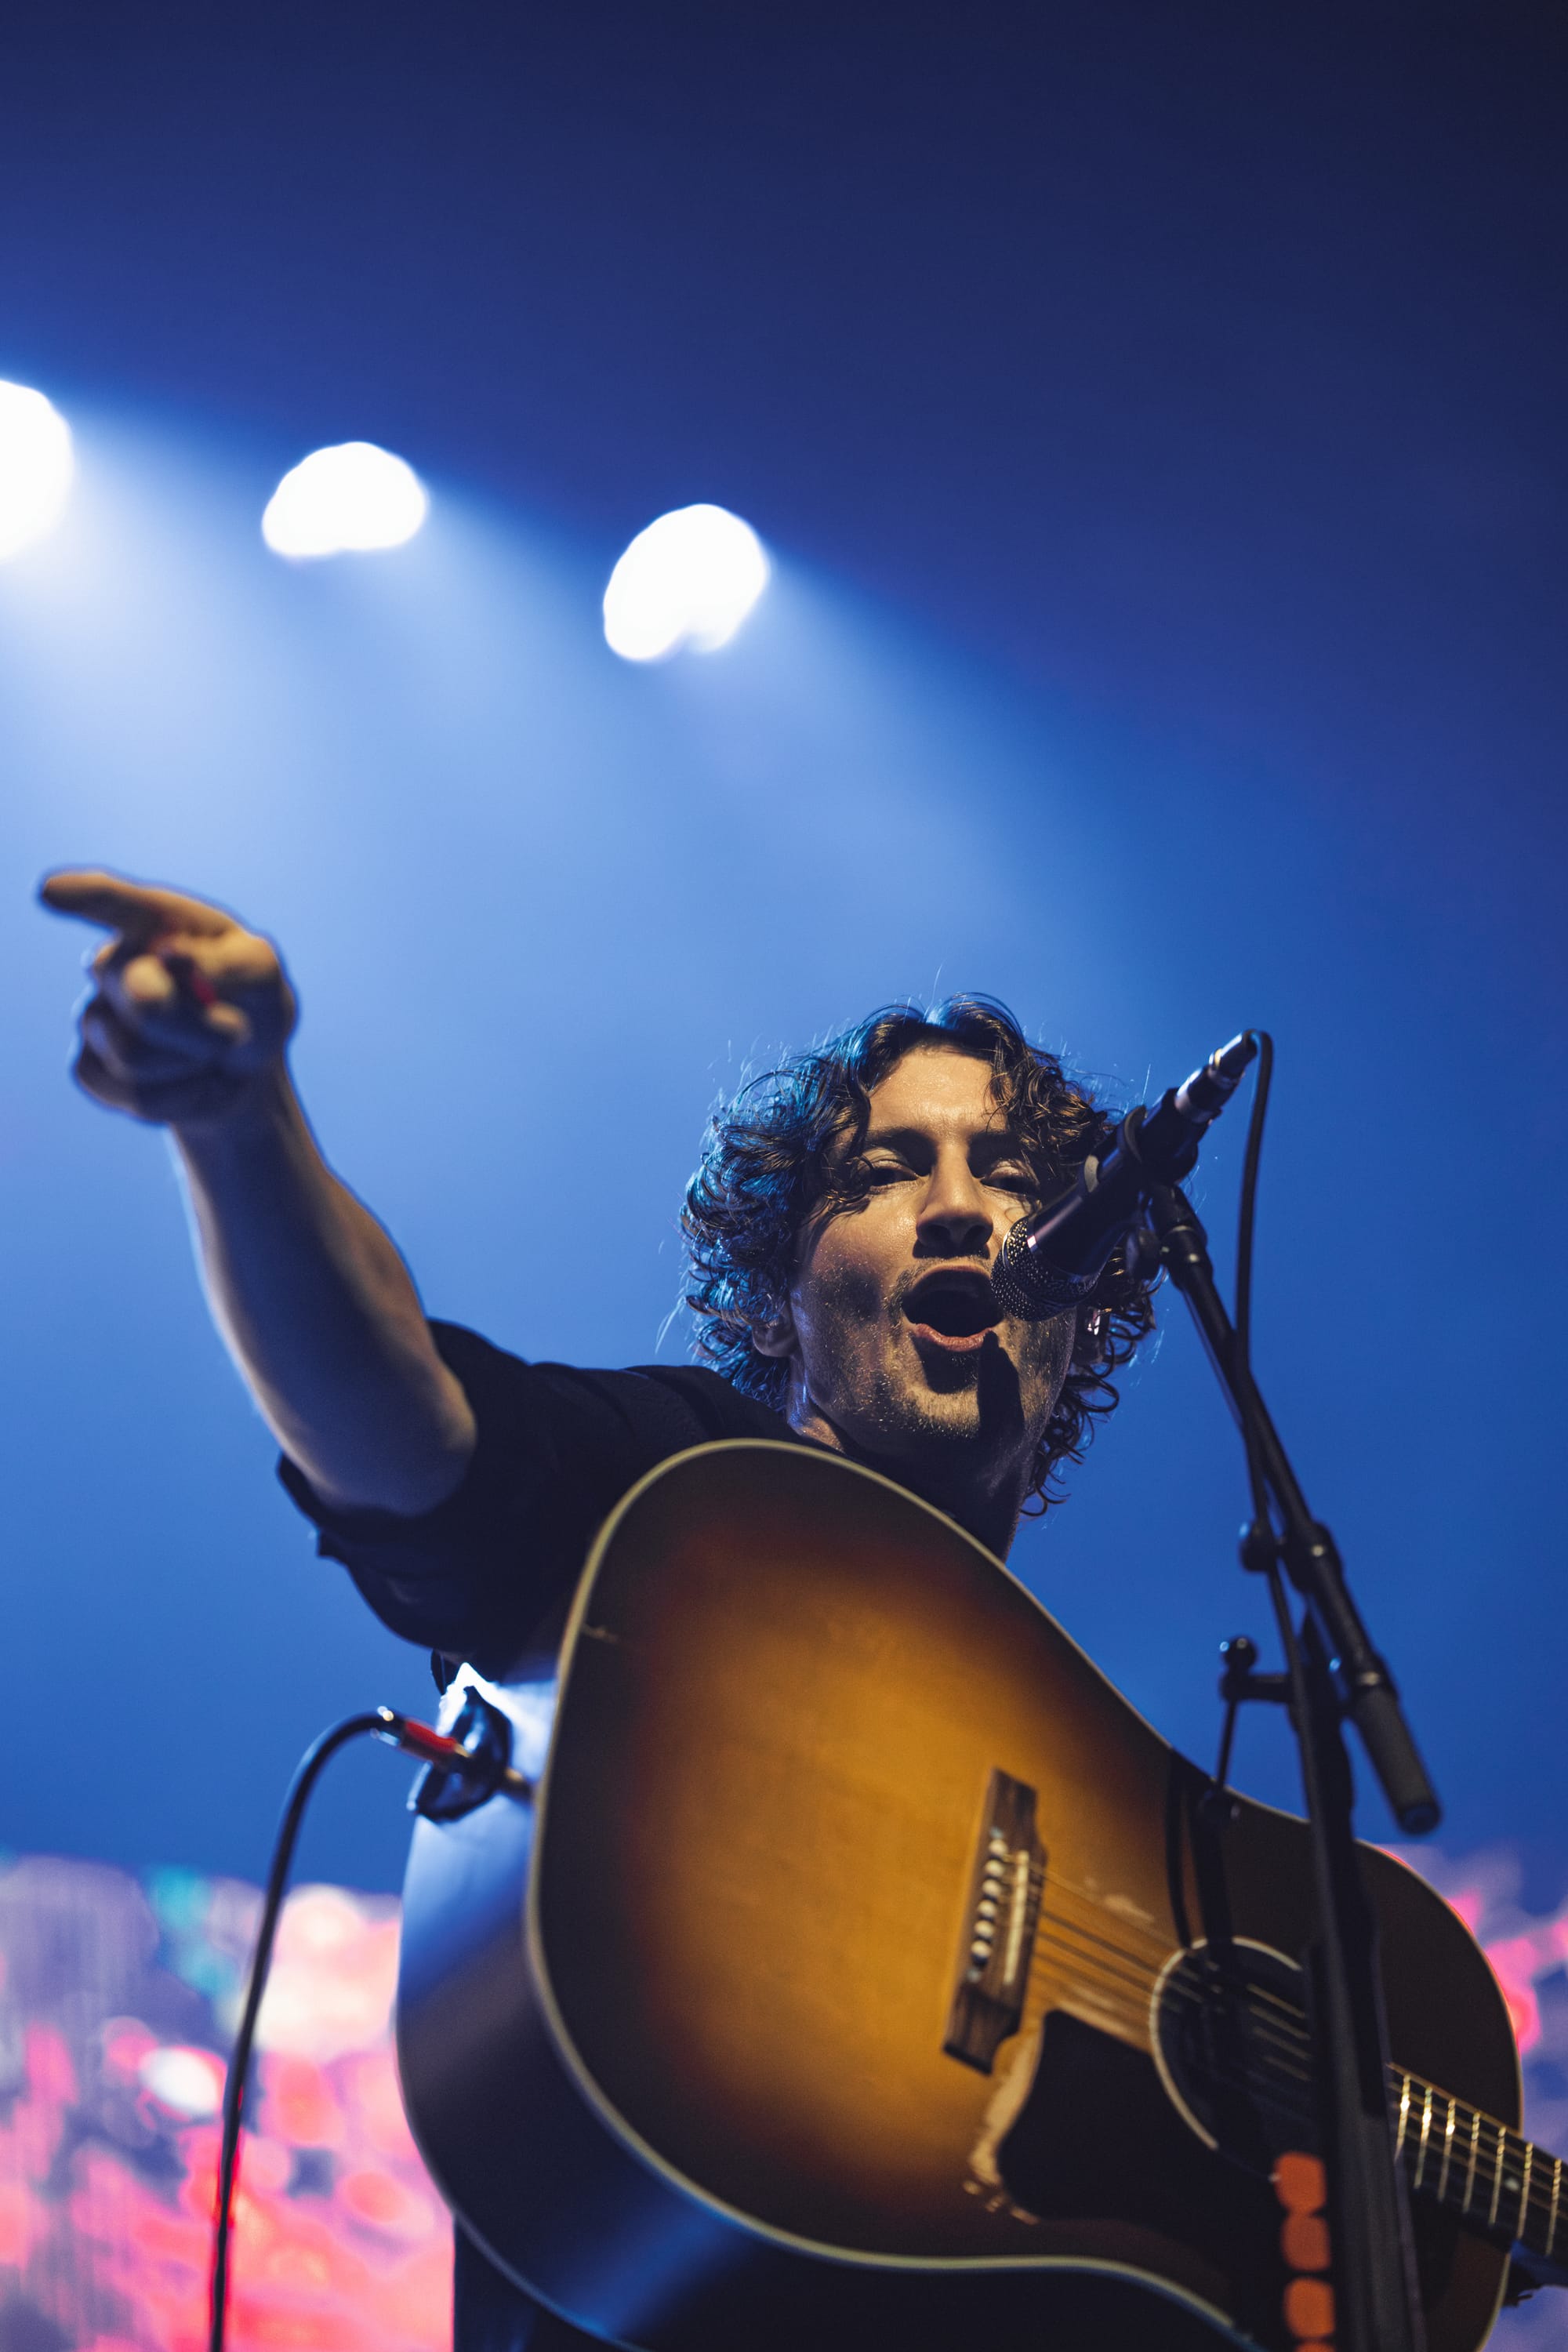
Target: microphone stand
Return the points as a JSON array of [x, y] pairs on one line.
[[1334, 1671]]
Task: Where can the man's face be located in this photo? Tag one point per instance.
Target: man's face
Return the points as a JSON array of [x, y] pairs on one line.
[[894, 1335]]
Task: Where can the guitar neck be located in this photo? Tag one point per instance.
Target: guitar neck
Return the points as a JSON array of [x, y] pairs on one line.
[[1491, 2177]]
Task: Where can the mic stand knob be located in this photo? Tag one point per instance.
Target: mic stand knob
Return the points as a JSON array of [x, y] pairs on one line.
[[1239, 1681], [1145, 1253]]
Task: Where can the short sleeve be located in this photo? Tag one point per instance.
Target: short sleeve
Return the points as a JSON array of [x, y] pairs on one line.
[[487, 1574]]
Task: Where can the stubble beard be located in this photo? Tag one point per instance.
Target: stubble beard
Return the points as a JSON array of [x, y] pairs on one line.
[[919, 1416]]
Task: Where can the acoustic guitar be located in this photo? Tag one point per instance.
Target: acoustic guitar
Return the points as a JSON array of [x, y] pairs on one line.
[[868, 1972]]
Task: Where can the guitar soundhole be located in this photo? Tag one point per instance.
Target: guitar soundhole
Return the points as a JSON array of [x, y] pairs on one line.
[[1231, 2043]]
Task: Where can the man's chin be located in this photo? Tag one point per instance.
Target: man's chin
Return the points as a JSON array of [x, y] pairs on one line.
[[917, 1418], [923, 1405], [971, 1396], [947, 1371]]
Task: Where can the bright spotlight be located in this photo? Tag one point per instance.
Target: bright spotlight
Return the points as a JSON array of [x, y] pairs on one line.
[[344, 501], [35, 466], [690, 579]]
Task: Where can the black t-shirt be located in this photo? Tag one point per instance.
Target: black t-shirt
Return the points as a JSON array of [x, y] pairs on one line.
[[488, 1575]]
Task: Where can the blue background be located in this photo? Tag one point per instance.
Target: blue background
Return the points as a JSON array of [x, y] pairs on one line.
[[1155, 416]]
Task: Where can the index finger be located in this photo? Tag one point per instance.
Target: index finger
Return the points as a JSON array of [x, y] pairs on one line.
[[137, 910]]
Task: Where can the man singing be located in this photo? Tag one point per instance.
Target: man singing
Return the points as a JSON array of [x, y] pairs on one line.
[[841, 1231]]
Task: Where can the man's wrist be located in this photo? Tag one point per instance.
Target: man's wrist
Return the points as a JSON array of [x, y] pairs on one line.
[[268, 1112]]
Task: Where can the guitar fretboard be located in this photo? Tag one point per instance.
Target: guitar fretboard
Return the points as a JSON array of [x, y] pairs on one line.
[[1492, 2177]]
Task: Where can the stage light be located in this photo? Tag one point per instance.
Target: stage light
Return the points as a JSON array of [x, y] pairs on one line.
[[35, 466], [690, 579], [344, 501]]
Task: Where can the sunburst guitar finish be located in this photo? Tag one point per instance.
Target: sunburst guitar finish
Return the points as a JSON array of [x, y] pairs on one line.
[[868, 1974]]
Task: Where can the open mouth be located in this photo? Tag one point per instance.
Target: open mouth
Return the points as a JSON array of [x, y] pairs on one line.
[[957, 1308]]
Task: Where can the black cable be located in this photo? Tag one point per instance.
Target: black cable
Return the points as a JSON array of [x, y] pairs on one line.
[[1247, 1212], [1242, 1321], [470, 1765], [294, 1805]]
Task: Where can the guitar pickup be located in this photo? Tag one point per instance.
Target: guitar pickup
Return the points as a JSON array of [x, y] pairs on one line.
[[1000, 1918]]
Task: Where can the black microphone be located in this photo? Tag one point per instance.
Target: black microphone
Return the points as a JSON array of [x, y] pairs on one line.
[[1053, 1260]]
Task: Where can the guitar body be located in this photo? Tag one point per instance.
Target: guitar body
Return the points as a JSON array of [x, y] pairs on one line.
[[721, 2050]]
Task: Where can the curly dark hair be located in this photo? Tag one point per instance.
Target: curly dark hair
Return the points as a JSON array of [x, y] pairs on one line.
[[788, 1146]]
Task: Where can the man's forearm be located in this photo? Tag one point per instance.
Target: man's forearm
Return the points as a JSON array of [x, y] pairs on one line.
[[319, 1312]]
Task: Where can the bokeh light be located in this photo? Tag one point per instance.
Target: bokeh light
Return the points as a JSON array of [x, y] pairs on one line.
[[345, 500], [36, 467], [690, 579], [187, 2083]]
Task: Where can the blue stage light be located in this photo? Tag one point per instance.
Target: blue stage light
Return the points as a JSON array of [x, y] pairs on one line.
[[36, 467], [344, 500], [690, 579]]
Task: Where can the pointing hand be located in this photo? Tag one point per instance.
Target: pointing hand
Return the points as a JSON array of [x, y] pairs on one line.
[[189, 1010]]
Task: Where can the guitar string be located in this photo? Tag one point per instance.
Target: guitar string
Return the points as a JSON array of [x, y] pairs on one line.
[[1281, 2029], [1277, 2027], [1273, 2031], [1273, 2017], [1087, 1900], [1136, 1980], [1134, 1983], [1128, 1974], [1297, 2081], [1275, 2020], [1129, 1981], [1272, 2027], [1159, 1945], [1108, 1920], [1141, 1971], [1137, 1985], [1521, 2202], [1133, 1972]]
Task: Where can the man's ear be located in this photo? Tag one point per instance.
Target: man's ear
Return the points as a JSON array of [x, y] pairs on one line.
[[775, 1335]]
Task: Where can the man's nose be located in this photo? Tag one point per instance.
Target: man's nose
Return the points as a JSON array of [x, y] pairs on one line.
[[955, 1215]]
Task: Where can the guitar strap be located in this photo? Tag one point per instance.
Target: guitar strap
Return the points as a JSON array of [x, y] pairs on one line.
[[1196, 1818]]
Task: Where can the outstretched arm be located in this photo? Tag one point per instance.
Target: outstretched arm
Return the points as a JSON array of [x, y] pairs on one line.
[[188, 1028]]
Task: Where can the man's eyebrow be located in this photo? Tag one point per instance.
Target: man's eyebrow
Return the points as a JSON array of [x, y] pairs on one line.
[[998, 1140], [891, 1135]]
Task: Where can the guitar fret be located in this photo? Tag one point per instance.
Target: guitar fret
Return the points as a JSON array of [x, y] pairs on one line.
[[1425, 2134], [1447, 2155], [1489, 2154]]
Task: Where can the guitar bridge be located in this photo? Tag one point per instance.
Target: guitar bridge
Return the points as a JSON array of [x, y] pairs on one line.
[[1000, 1918]]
